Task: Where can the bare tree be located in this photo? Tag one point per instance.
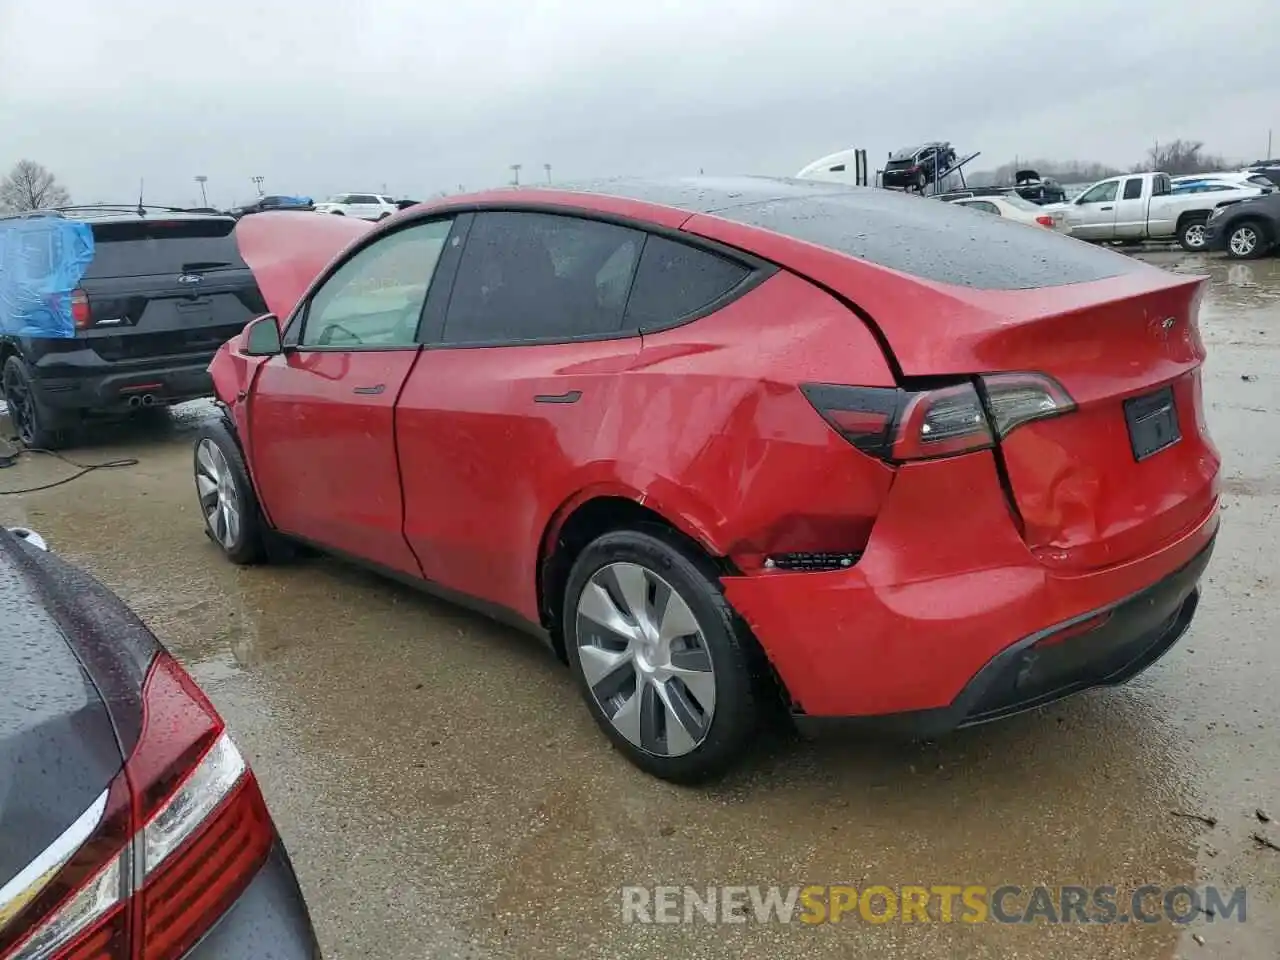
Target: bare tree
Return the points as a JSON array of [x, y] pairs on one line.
[[1181, 157], [29, 186]]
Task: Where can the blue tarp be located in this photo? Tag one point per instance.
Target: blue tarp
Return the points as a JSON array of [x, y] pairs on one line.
[[42, 260]]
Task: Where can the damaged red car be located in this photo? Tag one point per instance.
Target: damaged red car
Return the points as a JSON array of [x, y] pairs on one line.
[[719, 441]]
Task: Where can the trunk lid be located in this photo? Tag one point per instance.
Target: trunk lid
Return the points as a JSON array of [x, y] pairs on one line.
[[1130, 468], [288, 250], [58, 746]]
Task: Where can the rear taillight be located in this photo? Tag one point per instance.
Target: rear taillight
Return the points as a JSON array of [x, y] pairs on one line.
[[899, 426], [1017, 398], [1044, 221], [174, 841], [81, 315]]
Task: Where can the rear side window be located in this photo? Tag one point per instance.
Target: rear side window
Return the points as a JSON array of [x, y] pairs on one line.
[[1133, 189], [675, 281], [983, 205], [535, 276], [155, 247]]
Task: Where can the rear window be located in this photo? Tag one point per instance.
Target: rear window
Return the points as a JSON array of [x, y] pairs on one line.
[[934, 241], [150, 247]]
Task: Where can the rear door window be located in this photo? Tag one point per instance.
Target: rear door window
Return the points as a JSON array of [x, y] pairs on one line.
[[1133, 188], [676, 281], [529, 277]]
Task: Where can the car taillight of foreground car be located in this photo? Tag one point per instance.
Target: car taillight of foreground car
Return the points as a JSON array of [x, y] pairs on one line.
[[162, 853]]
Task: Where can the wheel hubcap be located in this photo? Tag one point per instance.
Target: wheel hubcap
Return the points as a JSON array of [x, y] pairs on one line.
[[1195, 236], [219, 500], [646, 660], [1243, 241]]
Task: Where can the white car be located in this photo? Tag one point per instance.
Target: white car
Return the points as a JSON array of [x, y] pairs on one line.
[[1013, 207], [1243, 178], [366, 206]]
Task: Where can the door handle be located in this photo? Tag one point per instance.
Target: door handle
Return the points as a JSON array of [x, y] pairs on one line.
[[370, 391], [1108, 208], [571, 396]]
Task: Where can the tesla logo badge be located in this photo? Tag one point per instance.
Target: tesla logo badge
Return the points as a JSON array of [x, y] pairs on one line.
[[190, 278], [1167, 323]]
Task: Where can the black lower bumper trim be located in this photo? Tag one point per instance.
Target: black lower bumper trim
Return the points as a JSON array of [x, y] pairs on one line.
[[1036, 671], [112, 390]]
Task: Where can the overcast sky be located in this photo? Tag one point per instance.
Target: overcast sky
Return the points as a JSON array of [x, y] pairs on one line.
[[425, 95]]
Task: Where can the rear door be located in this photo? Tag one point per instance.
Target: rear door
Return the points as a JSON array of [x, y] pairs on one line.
[[512, 398], [167, 288], [1093, 214], [322, 413], [1131, 209]]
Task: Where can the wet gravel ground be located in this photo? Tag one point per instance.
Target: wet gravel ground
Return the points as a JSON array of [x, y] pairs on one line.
[[444, 793]]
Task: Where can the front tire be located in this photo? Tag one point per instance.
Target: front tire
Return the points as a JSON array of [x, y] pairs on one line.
[[1191, 235], [38, 427], [1246, 241], [226, 497], [660, 657]]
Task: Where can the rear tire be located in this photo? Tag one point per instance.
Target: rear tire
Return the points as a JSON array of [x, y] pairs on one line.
[[37, 426], [225, 495], [1191, 234], [1246, 241], [669, 677]]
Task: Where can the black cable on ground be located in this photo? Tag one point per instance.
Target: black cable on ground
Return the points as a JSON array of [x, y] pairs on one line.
[[9, 458]]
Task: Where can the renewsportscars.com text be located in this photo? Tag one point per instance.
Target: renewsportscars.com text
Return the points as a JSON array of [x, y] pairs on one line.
[[943, 903]]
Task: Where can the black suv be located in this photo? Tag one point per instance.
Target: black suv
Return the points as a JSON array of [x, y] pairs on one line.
[[917, 167], [164, 290]]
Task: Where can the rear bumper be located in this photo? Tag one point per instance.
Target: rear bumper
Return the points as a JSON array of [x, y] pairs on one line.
[[270, 920], [82, 380], [945, 613], [1036, 671]]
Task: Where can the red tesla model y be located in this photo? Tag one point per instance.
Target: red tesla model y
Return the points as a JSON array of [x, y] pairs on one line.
[[904, 464]]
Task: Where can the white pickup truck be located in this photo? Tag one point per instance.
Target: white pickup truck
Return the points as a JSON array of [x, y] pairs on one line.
[[1142, 206]]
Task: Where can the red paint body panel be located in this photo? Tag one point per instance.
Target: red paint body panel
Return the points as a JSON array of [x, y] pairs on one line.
[[938, 593], [324, 457], [484, 465], [458, 473]]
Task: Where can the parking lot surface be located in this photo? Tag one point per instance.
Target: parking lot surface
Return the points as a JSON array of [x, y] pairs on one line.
[[444, 793]]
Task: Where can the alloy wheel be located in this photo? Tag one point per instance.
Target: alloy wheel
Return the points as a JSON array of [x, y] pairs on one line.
[[646, 659], [1244, 241], [17, 396], [1194, 235], [219, 500]]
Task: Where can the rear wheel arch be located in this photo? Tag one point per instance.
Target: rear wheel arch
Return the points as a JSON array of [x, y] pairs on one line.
[[1188, 216], [584, 518]]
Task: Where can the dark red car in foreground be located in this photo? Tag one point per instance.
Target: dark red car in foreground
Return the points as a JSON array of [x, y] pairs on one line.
[[906, 463]]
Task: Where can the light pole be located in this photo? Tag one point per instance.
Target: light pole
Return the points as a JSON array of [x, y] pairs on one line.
[[202, 180], [547, 167], [257, 182], [515, 172]]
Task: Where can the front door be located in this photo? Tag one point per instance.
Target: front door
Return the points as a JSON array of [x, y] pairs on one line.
[[1093, 215], [322, 413], [1131, 210]]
